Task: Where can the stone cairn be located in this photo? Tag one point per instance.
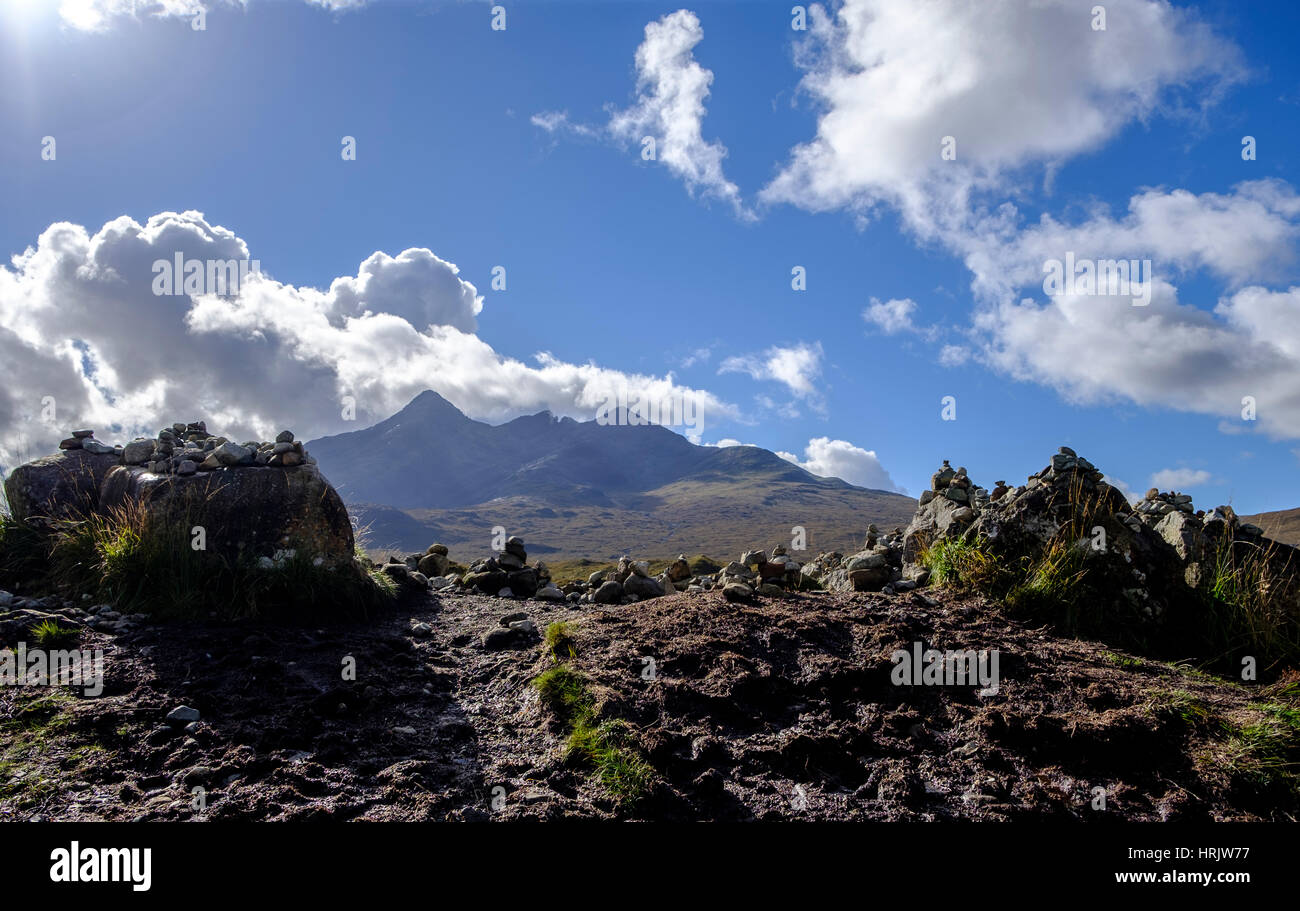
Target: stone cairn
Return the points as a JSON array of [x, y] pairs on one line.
[[508, 575], [186, 449]]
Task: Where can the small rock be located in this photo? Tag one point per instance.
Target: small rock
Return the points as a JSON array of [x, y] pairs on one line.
[[182, 715]]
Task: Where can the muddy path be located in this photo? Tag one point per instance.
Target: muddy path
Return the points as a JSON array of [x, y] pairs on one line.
[[781, 709]]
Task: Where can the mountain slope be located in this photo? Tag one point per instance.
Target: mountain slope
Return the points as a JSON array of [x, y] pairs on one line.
[[1281, 525], [579, 489]]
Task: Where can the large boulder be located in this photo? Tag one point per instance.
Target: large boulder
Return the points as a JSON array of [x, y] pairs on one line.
[[642, 586], [936, 517], [61, 486], [246, 513]]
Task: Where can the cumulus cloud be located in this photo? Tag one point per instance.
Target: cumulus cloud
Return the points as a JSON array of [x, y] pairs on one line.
[[893, 79], [97, 15], [1246, 235], [1180, 478], [841, 459], [953, 356], [81, 327], [798, 367], [1123, 488], [891, 316], [672, 88]]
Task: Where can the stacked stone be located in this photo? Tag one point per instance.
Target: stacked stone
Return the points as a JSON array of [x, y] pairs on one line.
[[85, 440], [756, 573], [186, 449], [1156, 505], [1067, 468], [429, 571], [631, 581], [955, 485], [878, 567], [508, 575]]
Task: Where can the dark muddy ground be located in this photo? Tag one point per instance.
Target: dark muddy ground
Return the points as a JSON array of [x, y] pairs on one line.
[[779, 710]]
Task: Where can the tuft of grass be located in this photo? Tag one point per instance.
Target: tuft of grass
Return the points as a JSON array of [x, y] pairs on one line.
[[564, 692], [964, 564], [561, 640], [1127, 662], [1182, 706], [145, 563], [23, 552], [1252, 600], [1054, 585], [608, 746], [50, 634], [1266, 749]]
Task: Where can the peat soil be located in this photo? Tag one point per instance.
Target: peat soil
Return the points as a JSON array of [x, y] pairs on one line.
[[781, 709]]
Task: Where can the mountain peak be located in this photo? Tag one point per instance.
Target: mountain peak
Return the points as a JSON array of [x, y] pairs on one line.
[[427, 406]]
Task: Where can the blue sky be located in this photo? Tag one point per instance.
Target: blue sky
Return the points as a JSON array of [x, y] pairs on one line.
[[628, 265]]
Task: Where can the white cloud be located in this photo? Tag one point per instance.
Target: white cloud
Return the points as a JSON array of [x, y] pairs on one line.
[[698, 356], [1247, 235], [79, 323], [953, 356], [893, 79], [1180, 478], [798, 367], [891, 316], [841, 459], [672, 88], [1123, 488], [97, 15], [559, 122]]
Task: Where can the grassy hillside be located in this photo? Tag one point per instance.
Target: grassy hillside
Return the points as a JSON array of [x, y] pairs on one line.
[[691, 517], [1282, 525]]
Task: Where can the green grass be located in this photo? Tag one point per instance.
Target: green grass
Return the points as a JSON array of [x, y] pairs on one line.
[[141, 563], [50, 634], [1053, 586], [607, 746], [964, 564], [564, 692], [1127, 662], [35, 726], [610, 748], [1266, 749], [1252, 605], [1182, 706], [565, 571], [1258, 745], [561, 640]]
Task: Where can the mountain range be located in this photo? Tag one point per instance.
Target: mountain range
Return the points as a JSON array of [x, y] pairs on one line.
[[576, 489]]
